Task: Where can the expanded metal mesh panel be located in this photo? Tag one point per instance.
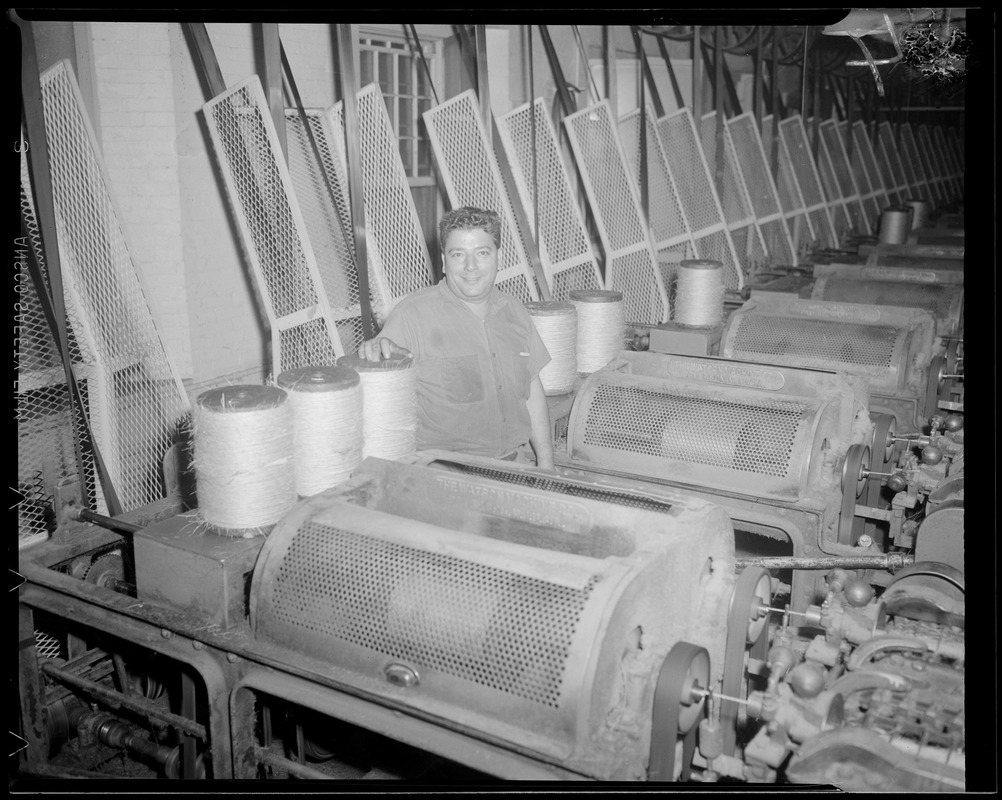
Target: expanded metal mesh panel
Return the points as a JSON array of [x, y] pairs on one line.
[[752, 168], [953, 165], [946, 163], [631, 264], [921, 139], [692, 174], [802, 233], [565, 249], [834, 341], [956, 145], [794, 141], [327, 216], [734, 202], [831, 139], [667, 220], [912, 163], [934, 169], [511, 632], [400, 259], [49, 433], [890, 162], [693, 428], [470, 172], [274, 235], [864, 147], [142, 402]]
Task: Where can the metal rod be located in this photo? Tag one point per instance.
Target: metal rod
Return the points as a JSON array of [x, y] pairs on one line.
[[116, 699], [272, 80], [891, 561], [676, 89], [347, 46], [298, 770], [112, 524]]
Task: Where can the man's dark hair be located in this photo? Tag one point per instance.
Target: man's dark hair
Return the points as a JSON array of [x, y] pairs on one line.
[[470, 218]]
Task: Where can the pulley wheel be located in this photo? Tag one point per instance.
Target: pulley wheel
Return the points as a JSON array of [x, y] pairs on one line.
[[744, 627], [676, 712], [857, 461], [935, 386]]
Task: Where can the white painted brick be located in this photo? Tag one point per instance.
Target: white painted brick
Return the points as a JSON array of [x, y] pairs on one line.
[[159, 119]]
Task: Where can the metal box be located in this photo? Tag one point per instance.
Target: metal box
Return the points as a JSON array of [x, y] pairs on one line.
[[182, 563]]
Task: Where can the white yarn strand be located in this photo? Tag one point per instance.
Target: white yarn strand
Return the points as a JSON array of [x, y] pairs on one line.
[[327, 437], [601, 328], [389, 413], [244, 466], [699, 294], [557, 325]]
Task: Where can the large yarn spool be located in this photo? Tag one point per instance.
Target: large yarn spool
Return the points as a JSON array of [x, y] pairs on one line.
[[244, 462], [557, 325], [895, 225], [921, 210], [389, 405], [699, 294], [601, 327], [327, 425]]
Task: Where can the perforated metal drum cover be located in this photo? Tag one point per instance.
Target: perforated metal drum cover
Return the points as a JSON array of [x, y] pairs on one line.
[[748, 442], [942, 301], [836, 342], [489, 625]]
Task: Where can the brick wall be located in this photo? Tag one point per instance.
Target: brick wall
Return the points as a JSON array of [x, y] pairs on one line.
[[135, 123]]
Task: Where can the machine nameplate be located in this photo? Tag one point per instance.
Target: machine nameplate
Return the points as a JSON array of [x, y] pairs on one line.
[[730, 374], [852, 312], [899, 274], [523, 506]]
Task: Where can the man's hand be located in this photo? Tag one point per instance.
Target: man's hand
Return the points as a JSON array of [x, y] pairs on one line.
[[381, 349]]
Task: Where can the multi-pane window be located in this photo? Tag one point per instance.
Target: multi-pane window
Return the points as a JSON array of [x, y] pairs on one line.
[[404, 83]]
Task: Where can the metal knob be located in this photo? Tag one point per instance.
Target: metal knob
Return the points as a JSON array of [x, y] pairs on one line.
[[897, 482], [954, 422], [932, 455]]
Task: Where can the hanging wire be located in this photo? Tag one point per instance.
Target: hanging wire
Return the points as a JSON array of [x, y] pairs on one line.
[[416, 48], [596, 96]]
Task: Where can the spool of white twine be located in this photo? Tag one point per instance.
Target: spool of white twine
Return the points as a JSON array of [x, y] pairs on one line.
[[601, 327], [920, 212], [557, 325], [895, 224], [244, 463], [327, 425], [699, 294], [389, 405]]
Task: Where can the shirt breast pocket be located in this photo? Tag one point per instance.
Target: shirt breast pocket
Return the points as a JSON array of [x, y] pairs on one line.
[[456, 379]]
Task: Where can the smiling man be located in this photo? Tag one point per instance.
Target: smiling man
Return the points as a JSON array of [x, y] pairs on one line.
[[476, 350]]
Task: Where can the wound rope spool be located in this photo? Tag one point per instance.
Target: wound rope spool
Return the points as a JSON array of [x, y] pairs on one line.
[[557, 325], [326, 406], [699, 294], [895, 225], [389, 405], [920, 212], [244, 462], [601, 327]]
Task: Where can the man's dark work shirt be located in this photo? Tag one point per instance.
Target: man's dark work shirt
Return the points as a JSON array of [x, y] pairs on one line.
[[473, 375]]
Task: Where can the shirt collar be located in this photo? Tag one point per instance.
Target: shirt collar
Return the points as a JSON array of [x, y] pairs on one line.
[[493, 299]]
